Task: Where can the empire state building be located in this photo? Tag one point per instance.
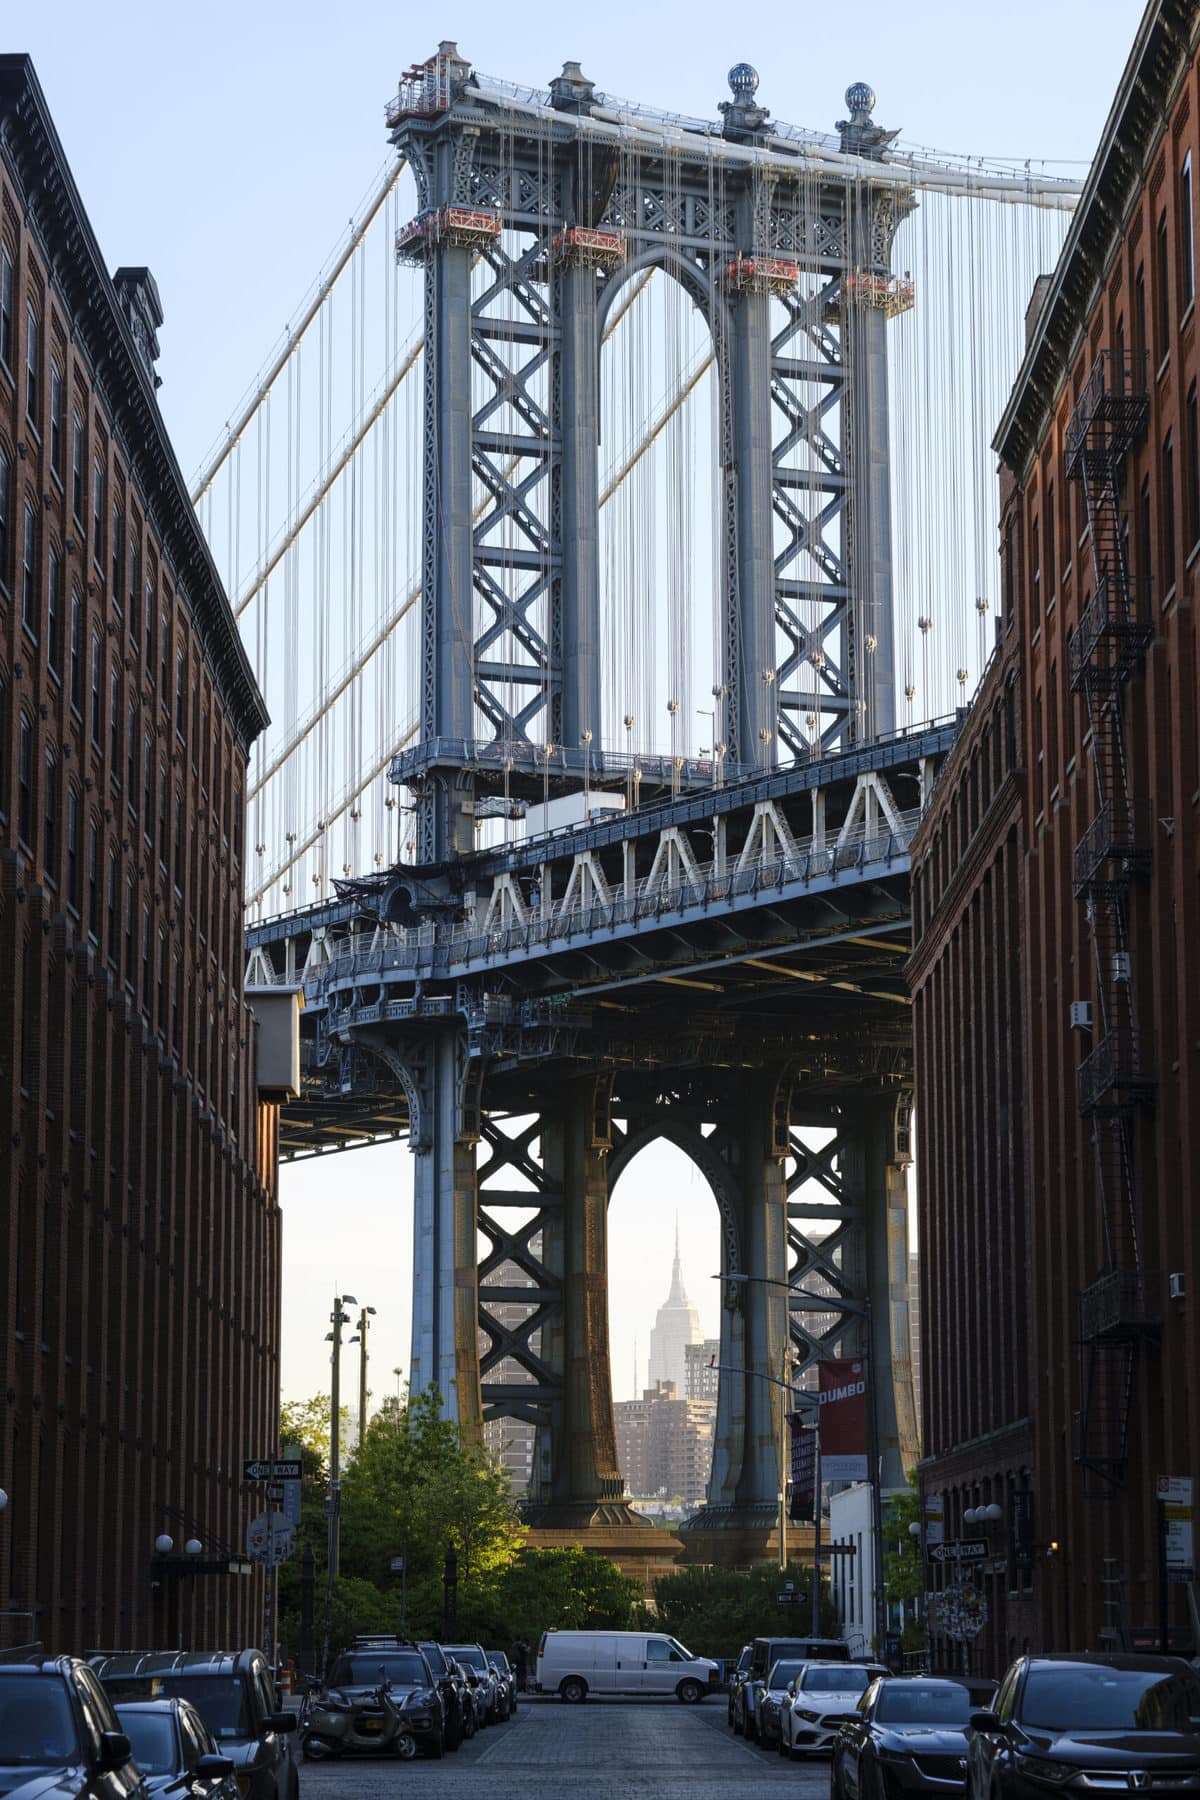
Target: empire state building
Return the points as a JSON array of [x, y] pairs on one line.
[[677, 1325]]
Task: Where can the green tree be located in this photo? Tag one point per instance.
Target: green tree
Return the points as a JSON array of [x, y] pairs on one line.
[[715, 1611], [903, 1566]]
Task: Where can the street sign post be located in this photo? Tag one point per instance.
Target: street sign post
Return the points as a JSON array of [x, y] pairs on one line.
[[270, 1539], [959, 1550]]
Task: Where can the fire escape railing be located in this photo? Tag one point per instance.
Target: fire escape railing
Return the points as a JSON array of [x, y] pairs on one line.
[[1122, 1307]]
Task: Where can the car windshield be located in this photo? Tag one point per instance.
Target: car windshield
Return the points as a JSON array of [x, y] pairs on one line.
[[923, 1703], [219, 1699], [473, 1657], [498, 1660], [782, 1673], [152, 1735], [37, 1727], [436, 1657], [1097, 1697], [849, 1680], [405, 1669]]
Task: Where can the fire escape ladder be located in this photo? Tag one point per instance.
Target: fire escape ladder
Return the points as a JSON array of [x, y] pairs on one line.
[[1122, 1308]]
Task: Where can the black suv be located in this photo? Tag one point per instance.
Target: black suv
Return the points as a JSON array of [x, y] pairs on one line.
[[234, 1694], [59, 1735], [1085, 1722], [765, 1652]]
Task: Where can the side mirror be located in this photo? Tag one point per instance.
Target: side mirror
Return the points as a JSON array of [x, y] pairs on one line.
[[985, 1721], [115, 1751], [213, 1768], [283, 1722]]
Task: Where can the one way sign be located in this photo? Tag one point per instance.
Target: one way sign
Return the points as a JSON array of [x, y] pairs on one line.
[[279, 1468]]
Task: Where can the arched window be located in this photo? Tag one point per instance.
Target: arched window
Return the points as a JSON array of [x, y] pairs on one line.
[[25, 781]]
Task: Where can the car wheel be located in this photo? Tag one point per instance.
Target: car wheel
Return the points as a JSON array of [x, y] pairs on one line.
[[749, 1728], [690, 1692], [436, 1747], [406, 1746], [453, 1739], [835, 1780], [469, 1725], [318, 1749], [784, 1747], [573, 1689]]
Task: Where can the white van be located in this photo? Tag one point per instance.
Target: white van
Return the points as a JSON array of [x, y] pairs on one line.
[[574, 1664]]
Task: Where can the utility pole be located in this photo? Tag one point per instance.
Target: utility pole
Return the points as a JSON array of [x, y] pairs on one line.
[[337, 1319], [360, 1338]]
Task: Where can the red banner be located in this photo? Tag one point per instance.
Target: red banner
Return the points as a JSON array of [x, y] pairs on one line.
[[843, 1418]]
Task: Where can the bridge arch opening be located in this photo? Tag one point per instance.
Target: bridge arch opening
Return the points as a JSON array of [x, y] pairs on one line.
[[661, 1296], [661, 582]]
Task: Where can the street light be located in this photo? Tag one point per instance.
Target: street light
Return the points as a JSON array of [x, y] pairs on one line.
[[360, 1338], [337, 1319], [164, 1544], [194, 1547]]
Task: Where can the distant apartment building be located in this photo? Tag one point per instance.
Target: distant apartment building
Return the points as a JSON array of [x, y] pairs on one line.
[[700, 1374], [665, 1444]]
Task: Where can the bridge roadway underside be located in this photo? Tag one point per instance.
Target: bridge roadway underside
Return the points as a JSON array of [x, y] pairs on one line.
[[764, 1030]]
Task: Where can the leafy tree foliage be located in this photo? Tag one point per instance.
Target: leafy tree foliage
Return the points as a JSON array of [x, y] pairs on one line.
[[903, 1567], [715, 1611]]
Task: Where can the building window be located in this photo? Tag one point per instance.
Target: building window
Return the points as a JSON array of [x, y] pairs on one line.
[[149, 600], [7, 283], [135, 595], [1168, 513], [97, 678], [161, 978], [114, 725], [33, 366], [50, 818], [25, 781], [118, 553], [5, 516], [77, 469], [1145, 534], [4, 770], [93, 879], [29, 569], [1162, 251], [111, 908], [130, 926], [1035, 545], [131, 755], [1049, 543], [177, 1004], [1187, 237], [58, 401], [54, 612], [181, 695], [73, 848], [178, 842], [98, 511], [164, 651], [1193, 470], [76, 651], [147, 940], [162, 814]]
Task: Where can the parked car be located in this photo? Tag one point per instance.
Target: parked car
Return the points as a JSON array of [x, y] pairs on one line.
[[737, 1675], [358, 1672], [765, 1652], [473, 1658], [59, 1735], [458, 1701], [816, 1701], [574, 1664], [908, 1736], [1088, 1721], [174, 1749], [473, 1698], [234, 1694], [507, 1680]]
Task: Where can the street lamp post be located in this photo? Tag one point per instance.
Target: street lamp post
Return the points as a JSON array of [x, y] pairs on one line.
[[337, 1319], [360, 1338], [805, 1301]]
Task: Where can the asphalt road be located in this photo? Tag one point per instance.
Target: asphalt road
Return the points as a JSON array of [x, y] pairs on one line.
[[604, 1749]]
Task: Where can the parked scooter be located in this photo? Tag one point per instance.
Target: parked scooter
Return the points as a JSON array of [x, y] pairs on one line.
[[332, 1724]]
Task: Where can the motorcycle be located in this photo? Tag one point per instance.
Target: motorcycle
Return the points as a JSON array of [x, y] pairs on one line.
[[332, 1724]]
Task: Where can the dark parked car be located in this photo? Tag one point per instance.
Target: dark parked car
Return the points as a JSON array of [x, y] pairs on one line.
[[908, 1736], [1130, 1723], [234, 1694], [173, 1748], [765, 1652], [737, 1675], [59, 1736], [506, 1681], [358, 1672], [458, 1701], [473, 1658]]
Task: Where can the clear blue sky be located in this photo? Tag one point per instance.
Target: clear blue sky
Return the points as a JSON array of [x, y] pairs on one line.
[[227, 146]]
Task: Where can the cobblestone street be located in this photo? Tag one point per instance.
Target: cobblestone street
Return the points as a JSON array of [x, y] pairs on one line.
[[612, 1750]]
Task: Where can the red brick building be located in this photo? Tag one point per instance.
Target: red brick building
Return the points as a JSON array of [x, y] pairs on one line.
[[1056, 977], [139, 1230]]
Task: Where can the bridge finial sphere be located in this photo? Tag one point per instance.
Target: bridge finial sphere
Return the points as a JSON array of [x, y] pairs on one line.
[[743, 81], [860, 98]]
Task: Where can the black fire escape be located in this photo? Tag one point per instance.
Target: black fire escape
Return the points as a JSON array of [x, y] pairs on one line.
[[1121, 1310]]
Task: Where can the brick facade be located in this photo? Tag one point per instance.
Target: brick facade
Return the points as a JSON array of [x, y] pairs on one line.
[[1013, 1208], [139, 1230]]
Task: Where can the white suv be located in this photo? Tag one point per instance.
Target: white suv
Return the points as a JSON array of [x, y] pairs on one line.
[[819, 1699]]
